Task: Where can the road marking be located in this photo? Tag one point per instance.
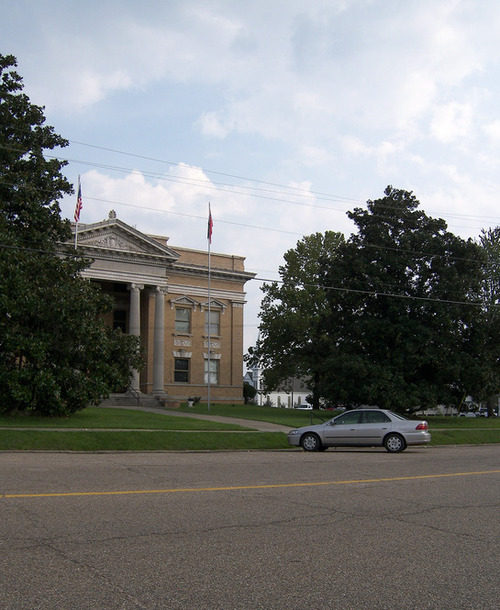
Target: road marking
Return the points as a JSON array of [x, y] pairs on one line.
[[242, 487]]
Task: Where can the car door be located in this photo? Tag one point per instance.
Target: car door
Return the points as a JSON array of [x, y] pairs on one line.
[[373, 426], [343, 430]]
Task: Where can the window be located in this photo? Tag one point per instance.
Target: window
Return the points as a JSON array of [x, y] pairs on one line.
[[212, 323], [349, 418], [120, 319], [214, 371], [182, 320], [374, 417], [181, 370]]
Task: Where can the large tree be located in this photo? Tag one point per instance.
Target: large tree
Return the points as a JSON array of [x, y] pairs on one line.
[[395, 318], [409, 310], [487, 367], [292, 341], [56, 354]]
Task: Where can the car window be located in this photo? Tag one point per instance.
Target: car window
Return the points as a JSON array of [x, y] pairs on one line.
[[398, 416], [348, 418], [374, 417]]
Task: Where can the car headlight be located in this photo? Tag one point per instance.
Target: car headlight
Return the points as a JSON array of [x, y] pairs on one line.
[[293, 432]]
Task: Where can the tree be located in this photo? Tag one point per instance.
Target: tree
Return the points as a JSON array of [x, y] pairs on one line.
[[490, 243], [292, 340], [393, 317], [56, 354], [249, 392], [409, 311], [489, 340]]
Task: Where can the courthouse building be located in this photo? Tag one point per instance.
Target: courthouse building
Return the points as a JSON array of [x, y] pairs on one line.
[[161, 293]]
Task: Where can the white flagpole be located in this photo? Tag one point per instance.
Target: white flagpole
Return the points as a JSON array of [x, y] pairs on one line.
[[209, 236], [209, 338]]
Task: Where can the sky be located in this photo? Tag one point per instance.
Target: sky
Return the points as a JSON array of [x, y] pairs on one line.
[[283, 114]]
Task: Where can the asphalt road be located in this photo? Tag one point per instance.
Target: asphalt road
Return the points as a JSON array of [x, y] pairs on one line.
[[229, 530]]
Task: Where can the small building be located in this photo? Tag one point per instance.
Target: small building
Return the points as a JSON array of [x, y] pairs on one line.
[[186, 306], [291, 393]]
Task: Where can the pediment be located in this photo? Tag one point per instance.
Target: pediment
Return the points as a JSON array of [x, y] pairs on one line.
[[184, 301], [115, 237], [115, 240], [214, 304]]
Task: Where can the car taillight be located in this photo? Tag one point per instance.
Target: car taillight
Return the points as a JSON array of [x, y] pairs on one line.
[[422, 426]]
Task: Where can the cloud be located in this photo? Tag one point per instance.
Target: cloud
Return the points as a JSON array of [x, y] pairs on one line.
[[330, 96], [452, 122], [283, 70], [315, 156], [493, 130], [211, 124], [178, 196]]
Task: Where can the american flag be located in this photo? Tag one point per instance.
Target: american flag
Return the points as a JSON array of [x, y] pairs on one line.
[[78, 207], [210, 224]]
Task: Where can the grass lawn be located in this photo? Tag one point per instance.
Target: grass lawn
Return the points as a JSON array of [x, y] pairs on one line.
[[490, 423], [154, 440], [100, 417], [102, 429], [464, 437]]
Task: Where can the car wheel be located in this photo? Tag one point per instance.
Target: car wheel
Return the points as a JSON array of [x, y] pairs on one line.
[[310, 442], [394, 443]]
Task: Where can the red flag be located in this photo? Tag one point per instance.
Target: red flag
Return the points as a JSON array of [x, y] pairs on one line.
[[210, 224], [78, 207]]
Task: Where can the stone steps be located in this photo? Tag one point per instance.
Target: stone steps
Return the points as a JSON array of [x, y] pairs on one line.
[[129, 400]]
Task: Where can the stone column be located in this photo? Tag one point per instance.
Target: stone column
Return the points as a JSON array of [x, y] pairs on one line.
[[159, 343], [135, 324]]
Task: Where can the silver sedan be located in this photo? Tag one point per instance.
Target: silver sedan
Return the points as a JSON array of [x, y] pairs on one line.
[[362, 428]]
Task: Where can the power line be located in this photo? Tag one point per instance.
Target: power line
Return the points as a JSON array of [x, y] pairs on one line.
[[228, 189], [219, 221], [272, 229], [382, 294], [294, 191], [212, 186], [246, 191], [297, 191], [369, 292], [256, 227], [318, 194], [227, 175], [243, 190]]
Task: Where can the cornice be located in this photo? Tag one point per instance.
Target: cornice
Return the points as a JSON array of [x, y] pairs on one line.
[[223, 274], [202, 292]]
